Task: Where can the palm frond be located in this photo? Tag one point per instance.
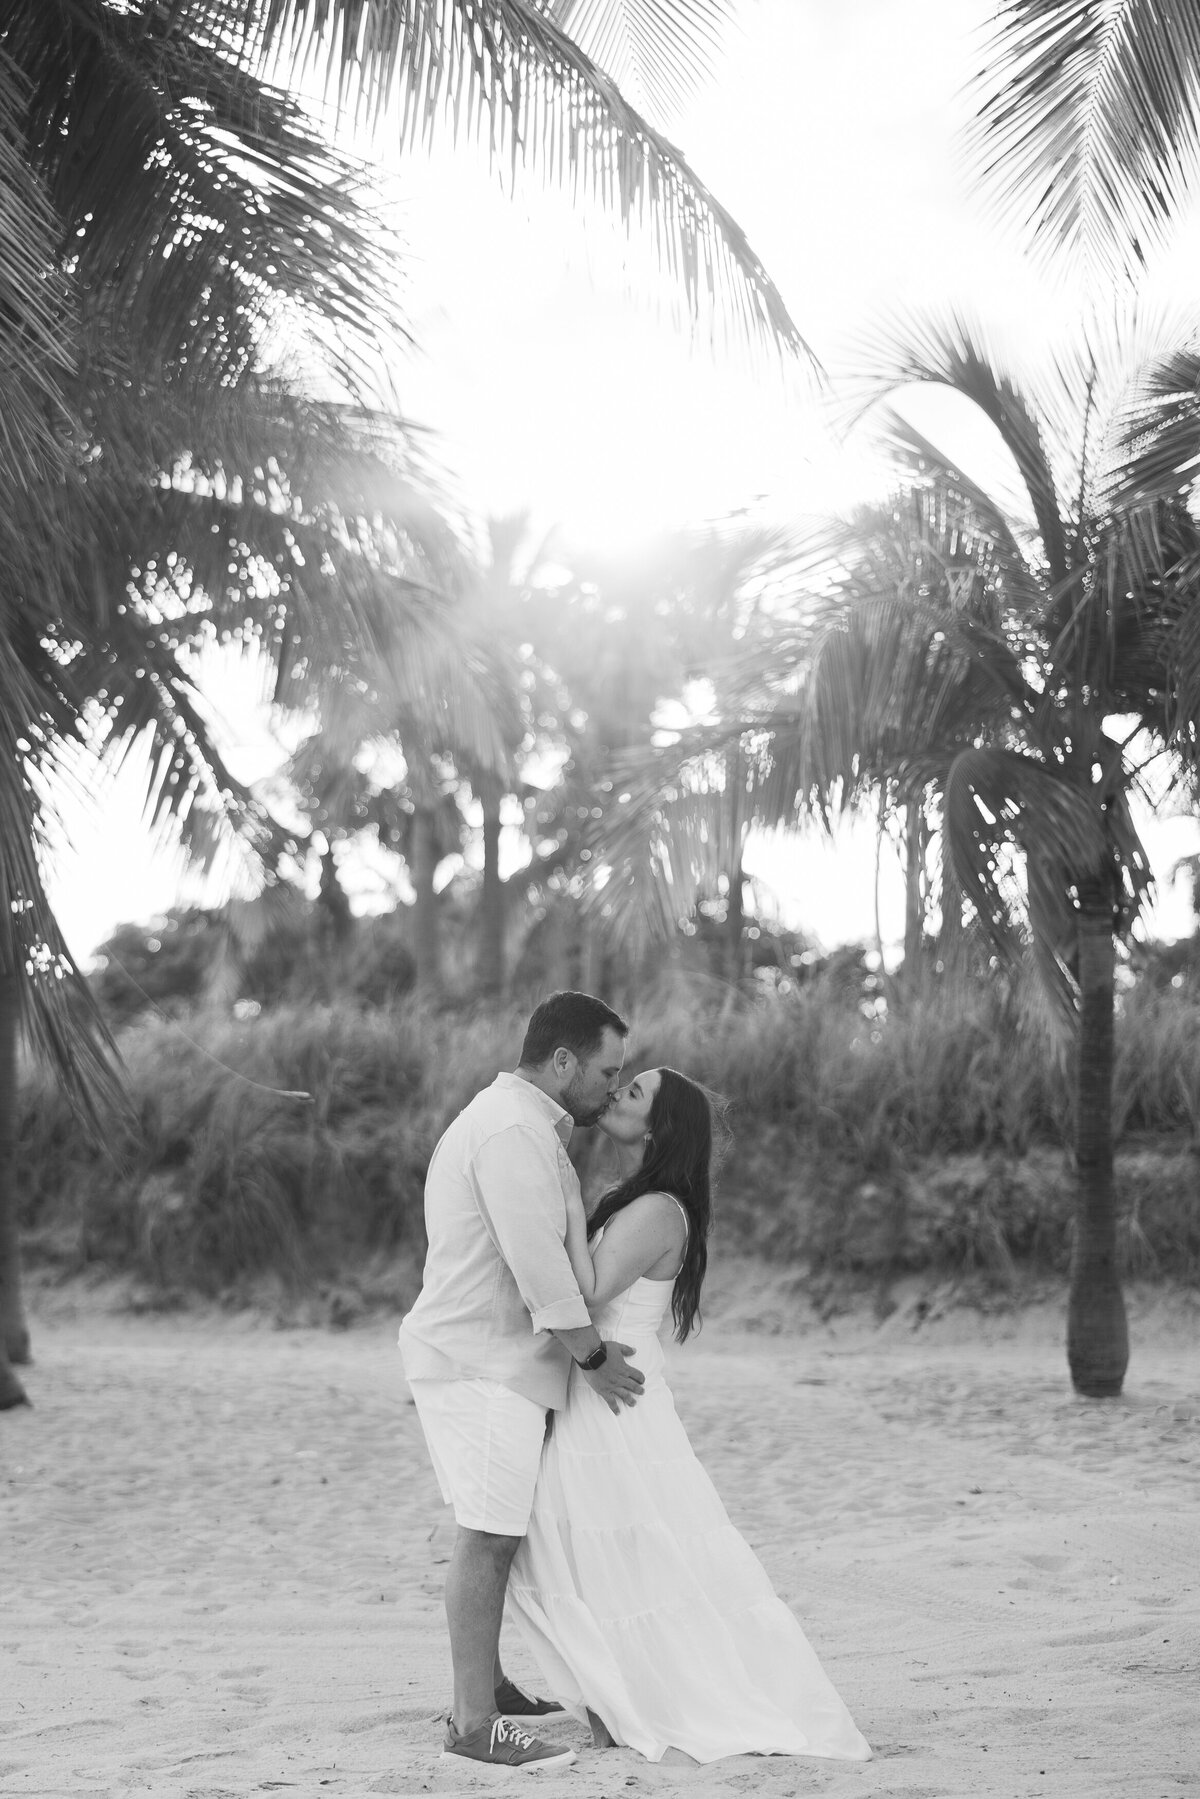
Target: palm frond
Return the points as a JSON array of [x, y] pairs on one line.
[[996, 796], [993, 798], [1161, 430], [425, 684], [960, 526], [1132, 861], [504, 70], [667, 845], [196, 202], [1181, 707], [37, 357], [657, 51], [1089, 122], [954, 353], [1046, 906], [57, 1012]]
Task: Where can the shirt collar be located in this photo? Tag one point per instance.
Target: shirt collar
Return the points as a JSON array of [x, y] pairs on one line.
[[557, 1115]]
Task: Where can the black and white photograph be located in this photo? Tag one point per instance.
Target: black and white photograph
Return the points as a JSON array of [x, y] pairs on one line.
[[600, 898]]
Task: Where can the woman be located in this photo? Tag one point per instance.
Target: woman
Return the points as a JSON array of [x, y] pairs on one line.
[[645, 1609]]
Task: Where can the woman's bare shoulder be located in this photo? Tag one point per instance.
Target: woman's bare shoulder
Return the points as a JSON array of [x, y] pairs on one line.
[[662, 1206]]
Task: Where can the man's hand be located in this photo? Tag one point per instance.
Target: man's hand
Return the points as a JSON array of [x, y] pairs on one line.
[[617, 1381]]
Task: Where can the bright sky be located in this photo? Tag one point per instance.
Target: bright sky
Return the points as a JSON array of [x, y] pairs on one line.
[[561, 384]]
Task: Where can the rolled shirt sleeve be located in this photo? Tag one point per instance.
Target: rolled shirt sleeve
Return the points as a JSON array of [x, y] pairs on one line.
[[518, 1178]]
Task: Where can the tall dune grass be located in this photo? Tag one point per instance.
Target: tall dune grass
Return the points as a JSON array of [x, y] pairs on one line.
[[932, 1138]]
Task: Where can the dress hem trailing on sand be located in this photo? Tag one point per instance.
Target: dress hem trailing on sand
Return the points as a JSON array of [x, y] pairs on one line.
[[639, 1600]]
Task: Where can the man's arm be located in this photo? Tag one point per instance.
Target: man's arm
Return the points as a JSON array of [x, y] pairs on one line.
[[617, 1381], [520, 1195], [521, 1198]]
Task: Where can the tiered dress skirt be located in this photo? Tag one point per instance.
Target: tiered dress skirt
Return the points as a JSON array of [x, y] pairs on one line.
[[640, 1601]]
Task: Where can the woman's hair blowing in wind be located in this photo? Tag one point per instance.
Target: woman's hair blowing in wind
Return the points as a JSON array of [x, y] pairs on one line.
[[678, 1160]]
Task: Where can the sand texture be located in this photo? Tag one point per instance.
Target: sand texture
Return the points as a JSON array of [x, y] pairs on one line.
[[223, 1554]]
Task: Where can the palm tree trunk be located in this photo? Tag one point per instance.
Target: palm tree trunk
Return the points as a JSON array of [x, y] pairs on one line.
[[1097, 1332], [490, 975], [914, 905], [14, 1332], [332, 899], [735, 910], [735, 926], [423, 862]]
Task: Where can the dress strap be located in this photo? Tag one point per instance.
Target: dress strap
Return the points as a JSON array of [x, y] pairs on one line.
[[687, 1223]]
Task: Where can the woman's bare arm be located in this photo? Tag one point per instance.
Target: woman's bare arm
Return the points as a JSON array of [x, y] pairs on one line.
[[647, 1232]]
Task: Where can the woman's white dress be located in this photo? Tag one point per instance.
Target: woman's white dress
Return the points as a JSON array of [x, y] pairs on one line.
[[639, 1599]]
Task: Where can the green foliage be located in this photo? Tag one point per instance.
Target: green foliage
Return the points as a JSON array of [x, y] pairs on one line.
[[192, 955], [959, 1070], [864, 1143], [293, 1143]]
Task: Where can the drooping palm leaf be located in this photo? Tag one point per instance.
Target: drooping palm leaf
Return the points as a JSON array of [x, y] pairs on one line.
[[952, 352], [57, 1015], [1141, 580], [994, 538], [1089, 122], [505, 71], [993, 797]]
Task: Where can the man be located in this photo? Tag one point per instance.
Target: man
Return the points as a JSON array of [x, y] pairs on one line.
[[488, 1345]]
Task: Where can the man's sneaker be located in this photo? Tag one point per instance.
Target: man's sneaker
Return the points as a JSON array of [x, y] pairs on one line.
[[499, 1743], [515, 1704]]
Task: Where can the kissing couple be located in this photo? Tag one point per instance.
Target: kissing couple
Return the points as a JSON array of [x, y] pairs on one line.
[[535, 1361]]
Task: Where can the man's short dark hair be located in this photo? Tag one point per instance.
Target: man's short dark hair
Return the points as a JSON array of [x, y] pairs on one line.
[[574, 1021]]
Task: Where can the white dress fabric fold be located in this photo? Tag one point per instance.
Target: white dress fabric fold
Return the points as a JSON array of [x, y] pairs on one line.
[[637, 1597]]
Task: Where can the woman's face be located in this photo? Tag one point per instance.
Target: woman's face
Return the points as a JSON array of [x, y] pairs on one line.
[[628, 1117]]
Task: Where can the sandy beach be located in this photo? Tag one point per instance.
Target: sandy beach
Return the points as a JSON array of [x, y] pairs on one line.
[[224, 1549]]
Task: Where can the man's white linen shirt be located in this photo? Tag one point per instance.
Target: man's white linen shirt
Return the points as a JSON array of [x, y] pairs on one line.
[[497, 1275]]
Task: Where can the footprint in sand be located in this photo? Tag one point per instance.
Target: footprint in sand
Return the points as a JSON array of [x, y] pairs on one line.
[[385, 1720], [1087, 1639]]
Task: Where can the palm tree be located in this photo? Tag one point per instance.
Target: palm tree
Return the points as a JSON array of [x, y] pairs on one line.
[[163, 199], [712, 594], [607, 657], [1089, 122], [373, 712], [146, 421], [1027, 669], [215, 541], [508, 563]]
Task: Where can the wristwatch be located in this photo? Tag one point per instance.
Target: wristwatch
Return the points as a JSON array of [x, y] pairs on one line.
[[596, 1360]]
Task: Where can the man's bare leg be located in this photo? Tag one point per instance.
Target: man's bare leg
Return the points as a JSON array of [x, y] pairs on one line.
[[476, 1582]]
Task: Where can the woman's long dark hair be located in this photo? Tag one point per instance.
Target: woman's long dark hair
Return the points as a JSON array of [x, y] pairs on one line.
[[678, 1160]]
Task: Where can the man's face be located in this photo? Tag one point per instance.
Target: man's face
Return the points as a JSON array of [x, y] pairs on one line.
[[593, 1084]]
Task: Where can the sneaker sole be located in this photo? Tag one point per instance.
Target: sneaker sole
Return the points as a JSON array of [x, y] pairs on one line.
[[543, 1765]]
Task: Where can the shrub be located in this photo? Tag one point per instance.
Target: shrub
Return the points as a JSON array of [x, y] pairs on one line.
[[295, 1142]]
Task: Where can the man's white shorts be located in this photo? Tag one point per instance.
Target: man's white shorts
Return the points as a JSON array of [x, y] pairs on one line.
[[485, 1443]]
